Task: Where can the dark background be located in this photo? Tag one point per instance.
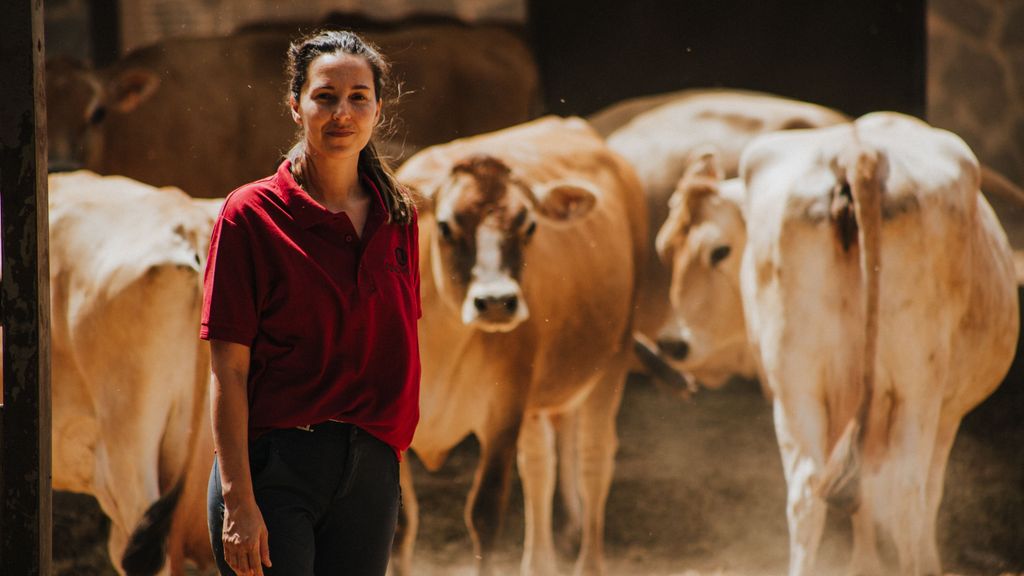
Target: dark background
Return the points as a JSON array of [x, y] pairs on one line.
[[854, 56]]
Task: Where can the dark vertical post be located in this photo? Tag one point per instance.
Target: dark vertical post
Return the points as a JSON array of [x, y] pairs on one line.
[[104, 31], [25, 516]]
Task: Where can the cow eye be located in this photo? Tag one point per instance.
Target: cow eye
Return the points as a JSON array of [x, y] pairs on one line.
[[446, 231], [98, 115], [720, 253], [531, 229]]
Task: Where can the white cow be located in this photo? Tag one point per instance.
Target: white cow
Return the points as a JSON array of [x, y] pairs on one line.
[[879, 297], [128, 370]]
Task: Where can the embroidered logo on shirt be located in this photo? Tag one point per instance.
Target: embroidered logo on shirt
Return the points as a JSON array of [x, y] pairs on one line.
[[402, 259]]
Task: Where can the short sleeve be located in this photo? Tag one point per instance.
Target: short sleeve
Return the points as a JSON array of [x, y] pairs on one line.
[[229, 290]]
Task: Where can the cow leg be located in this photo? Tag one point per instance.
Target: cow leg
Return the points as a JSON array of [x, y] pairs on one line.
[[598, 443], [537, 473], [567, 439], [930, 562], [488, 498], [408, 522], [800, 429], [864, 559], [912, 457]]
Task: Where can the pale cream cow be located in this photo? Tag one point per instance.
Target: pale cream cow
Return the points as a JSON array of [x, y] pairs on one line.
[[879, 297], [658, 134], [129, 374], [530, 240]]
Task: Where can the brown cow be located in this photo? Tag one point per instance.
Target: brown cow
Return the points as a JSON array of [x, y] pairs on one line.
[[530, 238], [208, 114]]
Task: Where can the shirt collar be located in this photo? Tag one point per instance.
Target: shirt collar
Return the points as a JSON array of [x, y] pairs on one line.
[[308, 212]]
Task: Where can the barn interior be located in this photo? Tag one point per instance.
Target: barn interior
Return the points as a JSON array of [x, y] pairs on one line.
[[698, 488]]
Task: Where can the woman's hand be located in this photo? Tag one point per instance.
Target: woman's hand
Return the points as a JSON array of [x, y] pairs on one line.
[[246, 543], [246, 548]]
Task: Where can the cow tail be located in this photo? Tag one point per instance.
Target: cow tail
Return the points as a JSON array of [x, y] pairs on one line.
[[146, 550], [839, 483]]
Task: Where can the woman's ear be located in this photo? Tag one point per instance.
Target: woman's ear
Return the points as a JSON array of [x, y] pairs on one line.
[[294, 106], [380, 110]]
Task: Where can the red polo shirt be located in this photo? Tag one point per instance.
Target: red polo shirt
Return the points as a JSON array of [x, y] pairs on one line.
[[330, 317]]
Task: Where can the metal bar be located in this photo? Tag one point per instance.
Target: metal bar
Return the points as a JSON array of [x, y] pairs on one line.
[[25, 497]]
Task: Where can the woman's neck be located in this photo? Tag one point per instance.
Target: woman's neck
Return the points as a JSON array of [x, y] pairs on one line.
[[333, 184]]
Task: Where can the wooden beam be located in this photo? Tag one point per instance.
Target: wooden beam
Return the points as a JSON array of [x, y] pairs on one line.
[[25, 498]]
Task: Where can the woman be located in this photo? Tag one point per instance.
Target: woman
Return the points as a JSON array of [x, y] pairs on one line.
[[310, 305]]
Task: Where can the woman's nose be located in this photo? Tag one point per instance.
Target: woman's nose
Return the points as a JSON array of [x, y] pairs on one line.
[[341, 110]]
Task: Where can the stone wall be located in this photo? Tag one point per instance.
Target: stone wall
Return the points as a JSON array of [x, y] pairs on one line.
[[976, 77]]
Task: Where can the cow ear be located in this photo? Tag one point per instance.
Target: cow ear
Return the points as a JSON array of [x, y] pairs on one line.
[[132, 87], [567, 200], [705, 162], [704, 166]]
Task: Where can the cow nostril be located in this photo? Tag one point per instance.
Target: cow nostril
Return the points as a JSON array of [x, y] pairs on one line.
[[676, 349], [496, 304]]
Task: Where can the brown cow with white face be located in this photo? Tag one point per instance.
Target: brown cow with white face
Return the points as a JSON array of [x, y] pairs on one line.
[[530, 240]]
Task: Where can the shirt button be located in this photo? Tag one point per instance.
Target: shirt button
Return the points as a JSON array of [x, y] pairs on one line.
[[349, 238]]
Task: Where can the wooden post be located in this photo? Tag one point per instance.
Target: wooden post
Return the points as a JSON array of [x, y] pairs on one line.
[[25, 516]]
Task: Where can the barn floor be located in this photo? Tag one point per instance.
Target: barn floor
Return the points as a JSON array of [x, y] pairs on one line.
[[698, 491]]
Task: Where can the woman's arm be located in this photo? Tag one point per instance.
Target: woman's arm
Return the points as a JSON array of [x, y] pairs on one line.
[[246, 547]]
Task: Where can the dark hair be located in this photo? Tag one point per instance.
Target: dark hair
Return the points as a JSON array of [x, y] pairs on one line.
[[301, 54]]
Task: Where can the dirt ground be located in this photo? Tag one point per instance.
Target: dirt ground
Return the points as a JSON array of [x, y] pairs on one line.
[[698, 491]]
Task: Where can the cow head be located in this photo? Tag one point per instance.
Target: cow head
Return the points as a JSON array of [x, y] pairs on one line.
[[486, 217], [702, 241], [78, 100]]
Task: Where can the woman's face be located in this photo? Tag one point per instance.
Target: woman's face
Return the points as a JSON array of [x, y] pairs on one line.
[[338, 107]]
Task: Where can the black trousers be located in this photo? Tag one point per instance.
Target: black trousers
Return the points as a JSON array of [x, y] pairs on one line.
[[329, 498]]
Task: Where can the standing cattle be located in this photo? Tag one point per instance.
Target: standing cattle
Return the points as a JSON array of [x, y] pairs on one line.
[[209, 114], [530, 240], [658, 134], [879, 298], [129, 373]]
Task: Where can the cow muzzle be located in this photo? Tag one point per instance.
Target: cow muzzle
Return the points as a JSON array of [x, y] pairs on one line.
[[495, 307]]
